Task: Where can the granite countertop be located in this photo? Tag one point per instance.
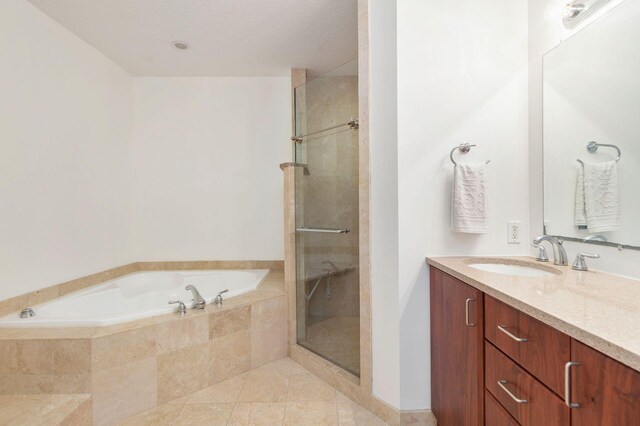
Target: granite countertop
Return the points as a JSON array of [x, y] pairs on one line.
[[599, 309]]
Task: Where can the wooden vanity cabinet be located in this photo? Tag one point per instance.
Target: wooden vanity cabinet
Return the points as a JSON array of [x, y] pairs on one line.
[[608, 392], [528, 342], [457, 385], [471, 358]]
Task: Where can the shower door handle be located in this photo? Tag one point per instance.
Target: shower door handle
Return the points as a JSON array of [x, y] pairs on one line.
[[323, 230]]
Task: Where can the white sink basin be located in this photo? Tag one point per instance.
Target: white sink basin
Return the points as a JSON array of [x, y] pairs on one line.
[[517, 270]]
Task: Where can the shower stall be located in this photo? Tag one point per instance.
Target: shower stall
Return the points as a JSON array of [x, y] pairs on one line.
[[326, 216]]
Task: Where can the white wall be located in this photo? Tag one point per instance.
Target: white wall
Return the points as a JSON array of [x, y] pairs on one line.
[[65, 123], [383, 142], [206, 180], [546, 32], [462, 76]]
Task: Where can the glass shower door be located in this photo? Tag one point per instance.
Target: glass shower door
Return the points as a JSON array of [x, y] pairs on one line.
[[327, 281]]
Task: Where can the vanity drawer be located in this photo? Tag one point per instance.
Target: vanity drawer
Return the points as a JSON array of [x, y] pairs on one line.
[[495, 414], [523, 397], [540, 349]]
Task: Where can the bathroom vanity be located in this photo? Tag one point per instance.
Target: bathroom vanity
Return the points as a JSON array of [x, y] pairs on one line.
[[561, 348]]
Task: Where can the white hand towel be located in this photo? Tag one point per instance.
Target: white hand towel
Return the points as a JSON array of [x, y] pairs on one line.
[[469, 199], [580, 214], [601, 200]]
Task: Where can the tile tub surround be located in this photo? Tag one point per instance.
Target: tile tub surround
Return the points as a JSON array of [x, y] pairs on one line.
[[15, 304], [135, 366], [45, 410], [601, 310], [279, 393]]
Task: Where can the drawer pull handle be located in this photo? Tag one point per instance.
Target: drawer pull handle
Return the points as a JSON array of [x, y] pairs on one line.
[[567, 385], [502, 384], [466, 312], [513, 336]]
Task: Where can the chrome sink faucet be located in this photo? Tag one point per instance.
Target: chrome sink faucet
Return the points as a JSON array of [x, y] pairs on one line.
[[198, 300], [559, 254]]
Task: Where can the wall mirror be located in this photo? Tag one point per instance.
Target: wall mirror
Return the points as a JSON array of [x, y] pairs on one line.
[[591, 132]]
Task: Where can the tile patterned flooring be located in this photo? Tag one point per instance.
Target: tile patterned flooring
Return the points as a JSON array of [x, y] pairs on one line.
[[279, 393]]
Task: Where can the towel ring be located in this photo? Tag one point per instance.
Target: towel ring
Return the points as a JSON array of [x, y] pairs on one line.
[[593, 146], [464, 148]]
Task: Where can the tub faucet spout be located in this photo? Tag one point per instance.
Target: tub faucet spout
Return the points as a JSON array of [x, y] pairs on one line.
[[198, 300]]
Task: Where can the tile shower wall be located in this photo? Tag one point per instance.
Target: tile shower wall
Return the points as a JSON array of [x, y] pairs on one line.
[[330, 192], [328, 198]]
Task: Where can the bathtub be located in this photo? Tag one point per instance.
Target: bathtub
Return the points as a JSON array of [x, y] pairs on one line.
[[135, 296]]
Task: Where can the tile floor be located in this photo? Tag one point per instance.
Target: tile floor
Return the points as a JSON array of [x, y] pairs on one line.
[[280, 393]]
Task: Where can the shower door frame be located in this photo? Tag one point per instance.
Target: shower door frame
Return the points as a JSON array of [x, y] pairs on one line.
[[357, 388]]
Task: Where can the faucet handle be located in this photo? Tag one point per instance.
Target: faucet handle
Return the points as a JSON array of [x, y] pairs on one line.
[[218, 299], [579, 264], [182, 309], [542, 253]]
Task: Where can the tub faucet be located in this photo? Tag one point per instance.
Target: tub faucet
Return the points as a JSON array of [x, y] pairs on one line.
[[559, 254], [198, 300]]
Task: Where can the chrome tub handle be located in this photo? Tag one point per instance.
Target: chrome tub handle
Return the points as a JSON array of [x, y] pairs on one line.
[[567, 385], [502, 384], [466, 312], [513, 336]]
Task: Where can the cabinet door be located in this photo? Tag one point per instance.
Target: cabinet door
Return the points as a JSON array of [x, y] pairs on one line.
[[456, 351], [608, 392]]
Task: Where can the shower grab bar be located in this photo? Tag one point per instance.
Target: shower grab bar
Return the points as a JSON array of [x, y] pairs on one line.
[[353, 125], [323, 230]]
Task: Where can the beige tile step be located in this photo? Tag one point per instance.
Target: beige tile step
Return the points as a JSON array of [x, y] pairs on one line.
[[45, 410]]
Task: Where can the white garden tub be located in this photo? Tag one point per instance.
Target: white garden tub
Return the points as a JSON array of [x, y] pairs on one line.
[[135, 296]]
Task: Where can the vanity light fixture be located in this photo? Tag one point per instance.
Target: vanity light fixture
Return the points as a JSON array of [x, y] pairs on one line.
[[577, 11], [181, 45], [572, 10]]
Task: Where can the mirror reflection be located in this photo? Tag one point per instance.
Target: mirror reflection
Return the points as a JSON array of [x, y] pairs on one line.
[[592, 131]]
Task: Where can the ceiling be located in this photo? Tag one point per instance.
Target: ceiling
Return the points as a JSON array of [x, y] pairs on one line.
[[227, 37]]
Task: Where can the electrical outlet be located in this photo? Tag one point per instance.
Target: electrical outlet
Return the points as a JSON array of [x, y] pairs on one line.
[[513, 236]]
